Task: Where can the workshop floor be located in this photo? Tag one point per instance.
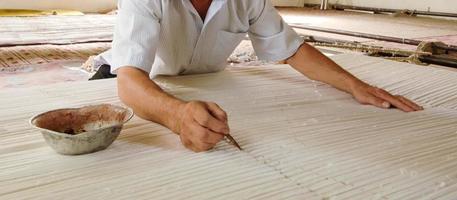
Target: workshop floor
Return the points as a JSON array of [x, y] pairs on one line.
[[402, 26], [23, 66]]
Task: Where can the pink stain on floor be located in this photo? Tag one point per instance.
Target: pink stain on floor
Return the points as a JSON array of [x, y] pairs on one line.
[[42, 75]]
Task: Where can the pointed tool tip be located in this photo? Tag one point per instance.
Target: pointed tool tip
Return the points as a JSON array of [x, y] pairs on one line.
[[233, 142]]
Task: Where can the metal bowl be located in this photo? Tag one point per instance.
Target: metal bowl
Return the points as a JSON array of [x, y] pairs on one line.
[[75, 131]]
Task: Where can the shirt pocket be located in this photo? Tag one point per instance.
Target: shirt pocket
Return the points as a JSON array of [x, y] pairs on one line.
[[225, 44]]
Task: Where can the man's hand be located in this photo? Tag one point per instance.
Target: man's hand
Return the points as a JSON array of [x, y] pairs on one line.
[[315, 65], [366, 94], [201, 125]]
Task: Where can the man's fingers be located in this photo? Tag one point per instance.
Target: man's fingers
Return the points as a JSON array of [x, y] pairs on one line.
[[205, 140], [201, 146], [378, 102], [410, 103], [195, 146], [185, 141], [204, 125], [205, 135], [217, 111], [195, 149], [205, 119], [380, 93], [195, 143]]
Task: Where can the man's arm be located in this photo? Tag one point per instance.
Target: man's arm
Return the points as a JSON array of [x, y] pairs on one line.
[[201, 125], [273, 39], [315, 65]]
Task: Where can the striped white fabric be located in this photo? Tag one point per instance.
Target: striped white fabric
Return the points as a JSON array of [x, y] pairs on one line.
[[302, 140], [168, 37]]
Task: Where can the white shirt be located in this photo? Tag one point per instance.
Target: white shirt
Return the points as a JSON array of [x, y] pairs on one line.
[[168, 37]]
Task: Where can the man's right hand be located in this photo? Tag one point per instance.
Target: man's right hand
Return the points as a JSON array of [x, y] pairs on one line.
[[200, 125]]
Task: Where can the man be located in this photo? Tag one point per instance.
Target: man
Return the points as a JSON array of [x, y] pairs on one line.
[[173, 37]]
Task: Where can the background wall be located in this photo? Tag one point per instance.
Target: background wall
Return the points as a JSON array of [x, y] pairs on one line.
[[298, 3], [107, 5], [449, 6], [81, 5]]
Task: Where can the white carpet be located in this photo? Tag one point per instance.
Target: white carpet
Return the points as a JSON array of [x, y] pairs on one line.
[[302, 140]]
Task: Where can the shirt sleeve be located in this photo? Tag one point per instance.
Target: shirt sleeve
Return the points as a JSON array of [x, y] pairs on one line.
[[272, 38], [136, 36]]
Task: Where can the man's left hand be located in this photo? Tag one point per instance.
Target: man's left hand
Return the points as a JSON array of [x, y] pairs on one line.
[[366, 94]]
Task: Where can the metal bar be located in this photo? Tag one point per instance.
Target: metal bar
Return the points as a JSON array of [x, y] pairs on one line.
[[358, 34], [312, 38], [439, 14], [369, 36], [429, 59]]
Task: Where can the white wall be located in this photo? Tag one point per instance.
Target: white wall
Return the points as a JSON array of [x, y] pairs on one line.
[[93, 5], [106, 5], [297, 3], [449, 6], [81, 5]]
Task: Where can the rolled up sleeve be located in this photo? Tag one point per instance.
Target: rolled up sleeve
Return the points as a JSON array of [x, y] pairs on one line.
[[272, 38], [136, 36]]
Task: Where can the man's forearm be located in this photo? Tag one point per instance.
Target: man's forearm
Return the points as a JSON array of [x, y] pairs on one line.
[[200, 125], [315, 65], [146, 98]]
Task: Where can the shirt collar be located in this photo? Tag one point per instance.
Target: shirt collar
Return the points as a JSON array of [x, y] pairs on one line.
[[214, 8]]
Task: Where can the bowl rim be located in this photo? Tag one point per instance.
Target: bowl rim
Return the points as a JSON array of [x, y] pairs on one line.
[[34, 117]]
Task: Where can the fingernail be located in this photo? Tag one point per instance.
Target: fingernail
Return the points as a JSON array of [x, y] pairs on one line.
[[386, 104]]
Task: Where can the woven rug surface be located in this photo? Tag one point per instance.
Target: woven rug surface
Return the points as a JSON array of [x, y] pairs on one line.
[[26, 66], [301, 139], [56, 29], [14, 58]]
